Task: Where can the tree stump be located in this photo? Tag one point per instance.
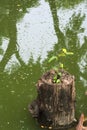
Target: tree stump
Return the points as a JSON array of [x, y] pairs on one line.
[[55, 103]]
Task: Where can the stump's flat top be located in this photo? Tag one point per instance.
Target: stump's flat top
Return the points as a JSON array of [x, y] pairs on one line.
[[65, 77]]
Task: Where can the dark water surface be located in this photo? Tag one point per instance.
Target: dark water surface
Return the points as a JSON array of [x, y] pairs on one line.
[[31, 31]]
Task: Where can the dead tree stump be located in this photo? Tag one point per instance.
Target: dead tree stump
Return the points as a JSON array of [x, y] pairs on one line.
[[55, 103]]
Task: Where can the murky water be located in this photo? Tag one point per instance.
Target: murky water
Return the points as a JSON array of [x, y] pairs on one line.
[[31, 31]]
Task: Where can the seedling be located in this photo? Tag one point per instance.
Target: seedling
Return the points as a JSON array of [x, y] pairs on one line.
[[55, 79], [57, 58], [62, 53]]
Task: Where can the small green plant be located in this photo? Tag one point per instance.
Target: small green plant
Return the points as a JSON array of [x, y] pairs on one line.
[[63, 53], [57, 58], [56, 78]]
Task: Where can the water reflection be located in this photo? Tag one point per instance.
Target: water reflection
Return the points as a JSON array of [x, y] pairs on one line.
[[36, 34], [68, 4], [70, 39], [30, 32], [12, 16]]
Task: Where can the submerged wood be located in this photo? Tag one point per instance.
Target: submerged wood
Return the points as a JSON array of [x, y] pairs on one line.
[[55, 103]]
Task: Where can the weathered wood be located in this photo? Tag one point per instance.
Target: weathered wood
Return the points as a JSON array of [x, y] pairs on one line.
[[55, 102]]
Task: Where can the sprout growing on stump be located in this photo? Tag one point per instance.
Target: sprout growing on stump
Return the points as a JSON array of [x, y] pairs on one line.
[[54, 106]]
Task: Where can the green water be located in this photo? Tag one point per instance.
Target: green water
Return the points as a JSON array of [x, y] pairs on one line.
[[31, 31]]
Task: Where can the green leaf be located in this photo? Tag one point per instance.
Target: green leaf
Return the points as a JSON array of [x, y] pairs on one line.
[[62, 54], [60, 74], [69, 53], [53, 58], [58, 81], [54, 81], [55, 77], [61, 65], [64, 50]]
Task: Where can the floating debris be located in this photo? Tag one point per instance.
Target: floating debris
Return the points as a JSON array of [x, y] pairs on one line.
[[12, 91], [8, 123]]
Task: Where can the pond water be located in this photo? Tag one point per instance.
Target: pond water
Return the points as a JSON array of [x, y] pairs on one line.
[[31, 32]]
